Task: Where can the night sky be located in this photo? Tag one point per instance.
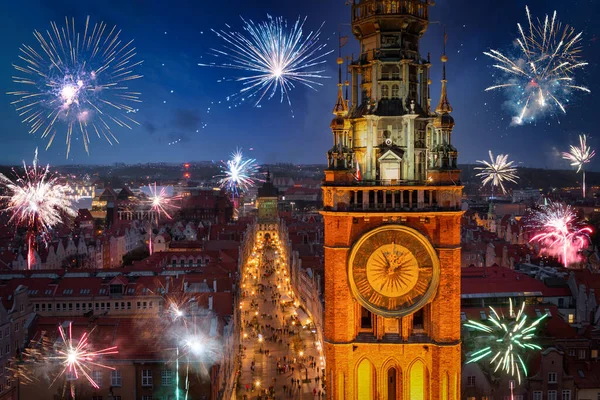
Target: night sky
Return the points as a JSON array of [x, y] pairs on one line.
[[172, 37]]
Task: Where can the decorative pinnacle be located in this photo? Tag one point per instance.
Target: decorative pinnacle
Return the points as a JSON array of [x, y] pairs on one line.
[[444, 106], [341, 108]]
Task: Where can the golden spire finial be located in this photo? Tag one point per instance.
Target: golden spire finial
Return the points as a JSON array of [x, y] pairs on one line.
[[444, 106], [340, 109]]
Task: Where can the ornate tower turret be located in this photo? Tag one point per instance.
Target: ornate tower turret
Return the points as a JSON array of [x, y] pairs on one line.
[[340, 156], [392, 238], [443, 156]]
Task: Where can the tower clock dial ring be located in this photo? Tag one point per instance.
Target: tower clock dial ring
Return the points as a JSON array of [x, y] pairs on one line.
[[393, 270]]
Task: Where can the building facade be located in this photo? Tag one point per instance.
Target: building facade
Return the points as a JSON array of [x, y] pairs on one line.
[[392, 215]]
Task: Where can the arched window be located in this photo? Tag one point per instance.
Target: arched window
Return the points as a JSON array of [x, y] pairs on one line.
[[365, 380], [395, 92], [417, 381], [392, 383], [385, 93]]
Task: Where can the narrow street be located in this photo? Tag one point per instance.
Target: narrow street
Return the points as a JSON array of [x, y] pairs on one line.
[[281, 356]]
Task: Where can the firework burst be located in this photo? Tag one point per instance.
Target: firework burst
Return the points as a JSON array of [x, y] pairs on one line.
[[160, 202], [275, 56], [77, 79], [508, 338], [541, 78], [160, 205], [497, 171], [561, 233], [579, 156], [77, 357], [36, 200], [238, 173]]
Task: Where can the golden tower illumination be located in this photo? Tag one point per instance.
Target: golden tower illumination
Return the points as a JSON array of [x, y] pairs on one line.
[[391, 198]]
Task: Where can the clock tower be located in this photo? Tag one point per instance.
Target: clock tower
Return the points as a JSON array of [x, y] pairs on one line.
[[391, 207]]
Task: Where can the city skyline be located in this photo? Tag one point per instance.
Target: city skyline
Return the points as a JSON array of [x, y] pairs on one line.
[[177, 93]]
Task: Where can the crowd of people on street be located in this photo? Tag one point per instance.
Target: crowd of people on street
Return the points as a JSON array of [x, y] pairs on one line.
[[279, 356]]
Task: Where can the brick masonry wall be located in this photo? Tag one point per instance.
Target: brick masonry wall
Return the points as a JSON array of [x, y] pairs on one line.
[[441, 358]]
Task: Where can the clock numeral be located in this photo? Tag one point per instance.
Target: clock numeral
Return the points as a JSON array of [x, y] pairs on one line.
[[363, 285], [392, 303], [421, 286], [407, 299], [421, 254], [375, 298]]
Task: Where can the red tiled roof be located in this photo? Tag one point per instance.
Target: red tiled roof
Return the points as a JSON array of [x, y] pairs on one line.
[[186, 244], [588, 278], [476, 282]]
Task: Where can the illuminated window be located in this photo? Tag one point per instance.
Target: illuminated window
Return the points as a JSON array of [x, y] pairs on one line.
[[571, 318], [417, 381], [365, 380]]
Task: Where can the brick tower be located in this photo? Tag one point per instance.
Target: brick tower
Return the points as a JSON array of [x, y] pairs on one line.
[[391, 201]]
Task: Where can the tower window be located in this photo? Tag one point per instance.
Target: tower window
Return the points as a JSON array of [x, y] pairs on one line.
[[366, 320], [395, 92], [385, 92], [418, 320]]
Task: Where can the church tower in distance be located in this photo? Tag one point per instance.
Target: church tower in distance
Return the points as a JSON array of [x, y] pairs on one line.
[[391, 207]]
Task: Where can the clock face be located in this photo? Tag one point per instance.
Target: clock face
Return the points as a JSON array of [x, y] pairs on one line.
[[393, 270]]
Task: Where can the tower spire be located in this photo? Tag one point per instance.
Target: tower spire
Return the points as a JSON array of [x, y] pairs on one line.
[[444, 106], [341, 108]]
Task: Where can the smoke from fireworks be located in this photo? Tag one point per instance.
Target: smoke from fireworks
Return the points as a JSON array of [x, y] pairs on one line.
[[35, 200], [77, 79], [497, 171], [239, 174], [508, 339], [540, 79], [276, 57], [579, 156], [562, 234]]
